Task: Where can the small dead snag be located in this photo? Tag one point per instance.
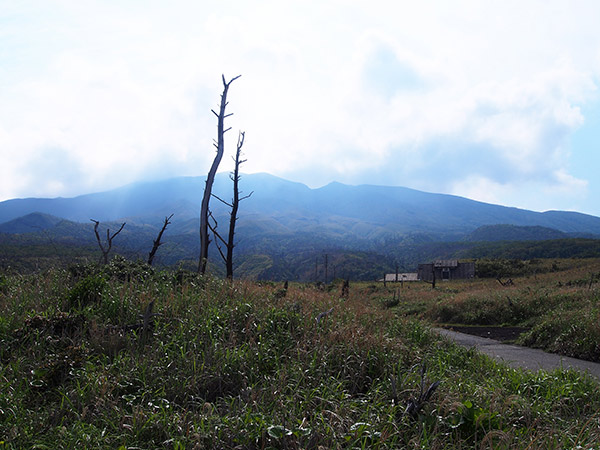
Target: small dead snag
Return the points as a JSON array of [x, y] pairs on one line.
[[109, 239], [508, 282], [157, 242]]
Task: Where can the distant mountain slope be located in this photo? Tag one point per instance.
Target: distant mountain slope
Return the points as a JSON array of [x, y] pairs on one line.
[[503, 232], [336, 212], [30, 223], [286, 229], [553, 248]]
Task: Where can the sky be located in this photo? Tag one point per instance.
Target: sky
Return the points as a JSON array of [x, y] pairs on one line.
[[496, 101]]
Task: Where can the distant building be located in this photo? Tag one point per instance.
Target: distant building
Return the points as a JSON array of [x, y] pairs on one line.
[[391, 277], [446, 269]]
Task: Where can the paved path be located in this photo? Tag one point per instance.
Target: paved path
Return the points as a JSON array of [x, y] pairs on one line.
[[524, 357]]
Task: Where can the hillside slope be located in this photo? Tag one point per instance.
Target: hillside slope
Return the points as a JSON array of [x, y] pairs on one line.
[[283, 207]]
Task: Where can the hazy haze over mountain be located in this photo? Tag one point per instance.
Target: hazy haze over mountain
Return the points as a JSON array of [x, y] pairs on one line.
[[363, 212]]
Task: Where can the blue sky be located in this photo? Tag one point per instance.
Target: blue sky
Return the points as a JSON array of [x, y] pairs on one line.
[[495, 101]]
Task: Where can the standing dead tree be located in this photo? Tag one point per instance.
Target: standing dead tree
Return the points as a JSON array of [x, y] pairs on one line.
[[157, 242], [109, 239], [234, 205], [220, 146]]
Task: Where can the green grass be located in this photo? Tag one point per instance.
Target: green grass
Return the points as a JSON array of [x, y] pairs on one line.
[[560, 307], [238, 366]]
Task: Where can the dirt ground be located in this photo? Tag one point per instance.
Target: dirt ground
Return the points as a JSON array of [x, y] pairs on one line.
[[502, 334]]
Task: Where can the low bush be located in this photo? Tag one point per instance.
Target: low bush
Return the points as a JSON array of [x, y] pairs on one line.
[[86, 291]]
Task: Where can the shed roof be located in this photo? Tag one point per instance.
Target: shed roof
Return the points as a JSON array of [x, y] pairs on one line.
[[446, 263], [411, 276]]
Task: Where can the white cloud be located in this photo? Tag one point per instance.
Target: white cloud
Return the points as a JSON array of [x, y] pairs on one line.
[[461, 97], [480, 188]]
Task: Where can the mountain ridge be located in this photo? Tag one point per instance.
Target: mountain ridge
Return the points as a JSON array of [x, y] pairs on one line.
[[285, 228], [364, 210]]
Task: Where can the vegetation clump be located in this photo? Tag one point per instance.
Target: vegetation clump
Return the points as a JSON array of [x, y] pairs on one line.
[[86, 291]]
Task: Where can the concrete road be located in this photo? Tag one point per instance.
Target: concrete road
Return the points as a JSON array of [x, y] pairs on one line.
[[523, 357]]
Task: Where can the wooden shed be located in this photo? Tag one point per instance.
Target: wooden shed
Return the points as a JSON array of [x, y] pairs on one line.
[[446, 269]]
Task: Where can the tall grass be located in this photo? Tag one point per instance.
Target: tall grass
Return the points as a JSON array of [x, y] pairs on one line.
[[235, 365], [561, 309]]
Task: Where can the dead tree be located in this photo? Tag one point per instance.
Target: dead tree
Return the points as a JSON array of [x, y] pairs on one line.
[[234, 205], [157, 242], [109, 240], [220, 146]]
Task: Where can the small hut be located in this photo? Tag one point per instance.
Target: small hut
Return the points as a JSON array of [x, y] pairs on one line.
[[446, 269]]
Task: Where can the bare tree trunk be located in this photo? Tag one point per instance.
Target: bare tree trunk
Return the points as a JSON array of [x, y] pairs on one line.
[[109, 240], [235, 204], [157, 242], [220, 145]]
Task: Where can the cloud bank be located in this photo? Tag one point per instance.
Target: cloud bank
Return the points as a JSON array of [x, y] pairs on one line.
[[479, 99]]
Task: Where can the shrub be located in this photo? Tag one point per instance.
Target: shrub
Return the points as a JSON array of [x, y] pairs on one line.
[[492, 268], [88, 290], [125, 270]]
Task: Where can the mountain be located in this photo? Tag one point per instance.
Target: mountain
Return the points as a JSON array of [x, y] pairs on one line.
[[30, 223], [285, 228], [504, 232], [363, 212]]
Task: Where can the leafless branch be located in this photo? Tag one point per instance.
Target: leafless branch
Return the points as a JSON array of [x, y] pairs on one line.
[[218, 237], [221, 200], [246, 196]]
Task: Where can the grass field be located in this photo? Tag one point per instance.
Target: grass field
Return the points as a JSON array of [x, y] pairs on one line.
[[86, 362], [560, 305]]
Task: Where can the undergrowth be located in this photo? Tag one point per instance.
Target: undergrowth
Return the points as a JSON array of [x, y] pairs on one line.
[[85, 363]]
